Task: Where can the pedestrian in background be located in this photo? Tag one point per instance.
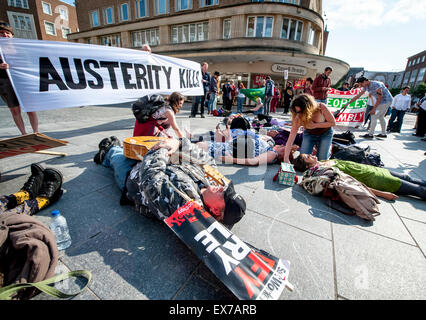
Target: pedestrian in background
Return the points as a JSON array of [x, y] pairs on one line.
[[275, 99], [345, 87], [308, 86], [421, 119], [213, 92], [6, 90], [288, 96], [321, 85], [241, 98], [200, 100], [400, 104], [269, 93]]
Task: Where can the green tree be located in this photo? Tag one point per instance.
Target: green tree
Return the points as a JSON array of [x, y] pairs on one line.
[[395, 91], [419, 91]]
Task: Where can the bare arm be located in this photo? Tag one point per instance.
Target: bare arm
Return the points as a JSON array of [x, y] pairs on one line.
[[294, 128], [329, 119], [384, 194], [172, 120], [354, 99], [264, 158]]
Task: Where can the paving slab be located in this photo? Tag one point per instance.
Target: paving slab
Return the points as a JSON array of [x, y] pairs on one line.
[[332, 256]]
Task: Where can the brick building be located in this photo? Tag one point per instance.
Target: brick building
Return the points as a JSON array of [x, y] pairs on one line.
[[415, 70], [242, 39], [38, 19]]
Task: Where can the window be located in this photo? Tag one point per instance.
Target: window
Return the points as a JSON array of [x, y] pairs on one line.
[[206, 3], [292, 29], [311, 36], [124, 12], [149, 36], [65, 32], [282, 1], [413, 77], [190, 32], [421, 74], [94, 18], [63, 13], [227, 29], [183, 5], [260, 27], [50, 28], [23, 25], [89, 41], [161, 7], [111, 40], [409, 63], [141, 8], [418, 60], [109, 15], [423, 59], [18, 3], [46, 8]]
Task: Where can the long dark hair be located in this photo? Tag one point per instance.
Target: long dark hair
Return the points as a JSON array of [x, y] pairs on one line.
[[174, 100]]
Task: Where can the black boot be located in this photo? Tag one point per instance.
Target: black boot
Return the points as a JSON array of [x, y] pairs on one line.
[[104, 147], [35, 181], [51, 187]]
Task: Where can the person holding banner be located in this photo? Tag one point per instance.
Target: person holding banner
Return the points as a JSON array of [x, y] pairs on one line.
[[383, 100], [318, 123], [6, 90]]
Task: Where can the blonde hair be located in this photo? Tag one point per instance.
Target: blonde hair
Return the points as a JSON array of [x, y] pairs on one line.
[[308, 106]]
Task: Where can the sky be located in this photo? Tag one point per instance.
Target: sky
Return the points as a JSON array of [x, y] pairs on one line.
[[378, 35]]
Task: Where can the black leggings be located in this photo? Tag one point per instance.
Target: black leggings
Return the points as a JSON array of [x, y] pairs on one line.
[[410, 186]]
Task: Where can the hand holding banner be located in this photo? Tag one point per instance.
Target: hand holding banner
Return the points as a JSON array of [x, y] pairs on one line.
[[51, 75], [353, 114]]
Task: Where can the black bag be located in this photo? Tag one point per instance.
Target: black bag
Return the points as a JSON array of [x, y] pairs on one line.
[[345, 138], [240, 123], [145, 107], [351, 153]]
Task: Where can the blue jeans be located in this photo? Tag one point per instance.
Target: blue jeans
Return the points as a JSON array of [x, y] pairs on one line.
[[399, 116], [322, 141], [121, 165], [212, 102], [240, 102], [410, 186]]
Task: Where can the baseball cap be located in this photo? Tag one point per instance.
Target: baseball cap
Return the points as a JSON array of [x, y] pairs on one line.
[[6, 26], [235, 206]]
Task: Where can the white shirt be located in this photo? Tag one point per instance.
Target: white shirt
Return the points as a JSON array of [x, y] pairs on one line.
[[401, 102], [423, 105]]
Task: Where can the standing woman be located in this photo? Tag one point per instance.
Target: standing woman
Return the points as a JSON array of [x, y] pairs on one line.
[[162, 119], [241, 98], [318, 123]]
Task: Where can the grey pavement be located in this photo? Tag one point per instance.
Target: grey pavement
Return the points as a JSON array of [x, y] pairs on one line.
[[333, 256]]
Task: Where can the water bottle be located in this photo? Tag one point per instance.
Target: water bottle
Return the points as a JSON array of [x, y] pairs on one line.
[[59, 228]]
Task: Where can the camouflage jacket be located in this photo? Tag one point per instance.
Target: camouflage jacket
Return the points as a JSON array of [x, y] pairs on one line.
[[149, 181]]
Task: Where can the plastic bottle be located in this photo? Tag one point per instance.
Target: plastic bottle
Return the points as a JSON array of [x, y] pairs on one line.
[[60, 229]]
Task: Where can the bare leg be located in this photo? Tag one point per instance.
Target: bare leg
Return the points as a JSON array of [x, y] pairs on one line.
[[17, 117], [33, 120]]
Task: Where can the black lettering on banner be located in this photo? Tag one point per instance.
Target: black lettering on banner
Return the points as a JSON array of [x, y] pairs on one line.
[[47, 69], [126, 75], [181, 77], [140, 76], [188, 78], [110, 65], [197, 76], [81, 84], [157, 78], [91, 83], [167, 72], [151, 85]]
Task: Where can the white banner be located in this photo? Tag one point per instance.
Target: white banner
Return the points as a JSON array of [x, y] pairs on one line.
[[354, 114], [51, 75]]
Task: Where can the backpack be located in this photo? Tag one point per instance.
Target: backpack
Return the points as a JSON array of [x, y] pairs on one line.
[[145, 107], [240, 123], [345, 138]]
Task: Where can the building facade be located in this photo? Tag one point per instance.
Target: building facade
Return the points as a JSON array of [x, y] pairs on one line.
[[415, 69], [242, 39], [39, 19]]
